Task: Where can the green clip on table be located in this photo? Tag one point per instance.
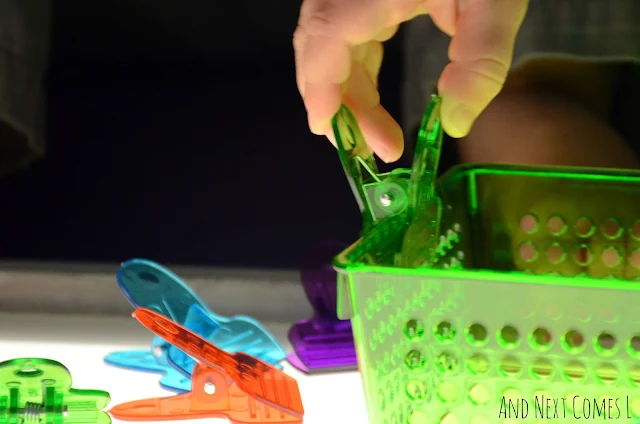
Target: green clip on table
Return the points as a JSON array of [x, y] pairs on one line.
[[498, 295]]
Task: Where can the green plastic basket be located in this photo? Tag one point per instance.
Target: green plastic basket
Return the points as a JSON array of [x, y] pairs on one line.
[[529, 311]]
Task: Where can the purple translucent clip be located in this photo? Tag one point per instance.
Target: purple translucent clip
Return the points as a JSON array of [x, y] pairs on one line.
[[323, 343]]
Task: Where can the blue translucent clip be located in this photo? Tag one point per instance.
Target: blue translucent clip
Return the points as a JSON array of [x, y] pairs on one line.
[[149, 285]]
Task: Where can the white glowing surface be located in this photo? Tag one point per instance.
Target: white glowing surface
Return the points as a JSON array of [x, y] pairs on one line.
[[80, 343]]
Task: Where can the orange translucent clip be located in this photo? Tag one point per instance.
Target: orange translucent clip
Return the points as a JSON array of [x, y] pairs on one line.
[[239, 387]]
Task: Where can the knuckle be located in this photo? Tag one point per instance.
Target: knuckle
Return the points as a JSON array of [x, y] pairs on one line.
[[491, 70], [322, 19]]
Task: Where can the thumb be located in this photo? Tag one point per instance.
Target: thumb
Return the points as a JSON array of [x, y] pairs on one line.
[[481, 52]]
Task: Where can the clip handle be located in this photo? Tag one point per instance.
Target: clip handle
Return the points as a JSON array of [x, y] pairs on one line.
[[357, 158], [426, 156], [408, 195], [212, 395], [254, 377], [425, 207]]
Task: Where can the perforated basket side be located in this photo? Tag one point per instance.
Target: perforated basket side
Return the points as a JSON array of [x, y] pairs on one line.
[[438, 349]]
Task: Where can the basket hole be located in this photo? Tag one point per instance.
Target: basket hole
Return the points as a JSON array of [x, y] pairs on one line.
[[445, 332], [605, 343], [584, 227], [510, 366], [574, 371], [583, 255], [478, 364], [416, 416], [449, 418], [528, 251], [611, 257], [529, 223], [634, 373], [573, 340], [477, 334], [612, 228], [446, 363], [479, 394], [556, 225], [416, 389], [634, 406], [415, 360], [540, 338], [542, 369], [555, 254], [413, 329], [635, 230], [508, 336], [634, 259], [607, 373], [447, 392], [634, 345]]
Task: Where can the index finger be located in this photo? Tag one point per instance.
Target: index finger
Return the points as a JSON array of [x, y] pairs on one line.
[[481, 52], [326, 31]]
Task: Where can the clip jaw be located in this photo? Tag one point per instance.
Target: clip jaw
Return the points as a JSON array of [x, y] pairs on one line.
[[240, 334], [39, 390], [324, 343], [239, 387], [425, 207], [406, 195], [378, 195], [150, 285]]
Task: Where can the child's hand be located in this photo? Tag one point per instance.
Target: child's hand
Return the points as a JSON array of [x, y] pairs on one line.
[[338, 48]]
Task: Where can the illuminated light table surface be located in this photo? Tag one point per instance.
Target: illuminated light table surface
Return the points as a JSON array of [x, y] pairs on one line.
[[80, 342]]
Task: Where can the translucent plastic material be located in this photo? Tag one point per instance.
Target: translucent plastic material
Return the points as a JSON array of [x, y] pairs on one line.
[[532, 297], [239, 334], [408, 196], [148, 284], [35, 390], [324, 343], [239, 387]]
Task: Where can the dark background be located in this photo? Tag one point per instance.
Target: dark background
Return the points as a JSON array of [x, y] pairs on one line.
[[176, 133]]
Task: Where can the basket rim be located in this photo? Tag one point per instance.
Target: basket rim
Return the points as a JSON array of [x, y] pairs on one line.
[[344, 266]]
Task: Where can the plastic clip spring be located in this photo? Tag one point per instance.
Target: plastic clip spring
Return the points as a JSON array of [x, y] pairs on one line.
[[36, 390]]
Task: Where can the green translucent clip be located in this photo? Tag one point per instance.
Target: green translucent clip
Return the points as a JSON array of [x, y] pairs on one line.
[[425, 207], [407, 196], [378, 195], [34, 390]]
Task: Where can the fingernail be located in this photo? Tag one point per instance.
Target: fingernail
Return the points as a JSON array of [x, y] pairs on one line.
[[460, 121], [317, 127], [314, 127], [385, 155]]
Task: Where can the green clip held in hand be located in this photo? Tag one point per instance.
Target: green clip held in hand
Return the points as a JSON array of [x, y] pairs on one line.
[[35, 390], [403, 198]]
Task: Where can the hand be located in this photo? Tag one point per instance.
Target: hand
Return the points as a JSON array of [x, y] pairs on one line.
[[338, 49]]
